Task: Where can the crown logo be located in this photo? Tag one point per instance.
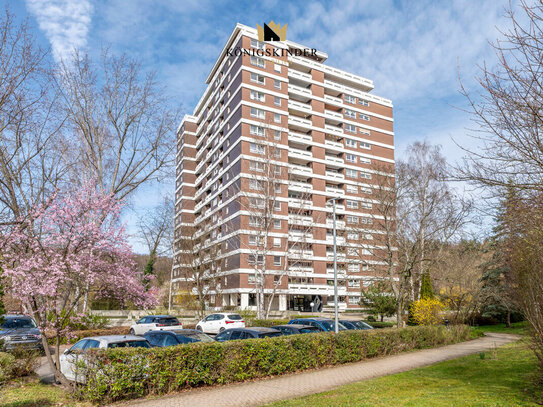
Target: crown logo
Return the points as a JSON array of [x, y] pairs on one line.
[[272, 32]]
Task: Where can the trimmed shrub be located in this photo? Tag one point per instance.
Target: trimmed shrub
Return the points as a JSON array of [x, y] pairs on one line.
[[123, 373], [6, 366]]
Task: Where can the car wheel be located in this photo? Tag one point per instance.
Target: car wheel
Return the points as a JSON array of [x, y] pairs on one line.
[[222, 329], [199, 328], [131, 332]]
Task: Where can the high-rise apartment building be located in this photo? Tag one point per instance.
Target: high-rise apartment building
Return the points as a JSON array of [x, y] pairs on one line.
[[276, 135]]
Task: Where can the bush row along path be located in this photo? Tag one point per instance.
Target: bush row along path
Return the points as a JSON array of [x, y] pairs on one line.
[[317, 381]]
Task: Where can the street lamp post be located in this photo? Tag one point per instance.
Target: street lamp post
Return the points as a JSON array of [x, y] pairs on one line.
[[336, 321]]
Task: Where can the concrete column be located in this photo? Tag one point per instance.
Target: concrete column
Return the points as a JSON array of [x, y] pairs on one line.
[[282, 302], [244, 301]]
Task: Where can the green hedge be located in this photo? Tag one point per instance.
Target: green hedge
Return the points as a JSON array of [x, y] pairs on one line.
[[129, 373]]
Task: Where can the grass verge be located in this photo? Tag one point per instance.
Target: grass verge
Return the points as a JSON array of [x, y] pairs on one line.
[[35, 394], [501, 378]]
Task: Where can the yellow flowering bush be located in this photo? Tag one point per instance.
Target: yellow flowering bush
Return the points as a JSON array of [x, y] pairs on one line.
[[427, 311]]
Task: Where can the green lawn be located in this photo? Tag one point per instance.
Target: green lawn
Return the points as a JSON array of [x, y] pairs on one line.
[[35, 394], [517, 328], [502, 378]]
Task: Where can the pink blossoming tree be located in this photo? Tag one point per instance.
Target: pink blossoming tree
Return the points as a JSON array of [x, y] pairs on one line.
[[71, 242]]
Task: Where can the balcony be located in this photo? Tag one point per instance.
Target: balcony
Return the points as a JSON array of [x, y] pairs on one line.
[[297, 186], [301, 154], [299, 137], [335, 191], [335, 175], [299, 122], [330, 114], [299, 75], [300, 170], [340, 256], [300, 220], [333, 159], [308, 253], [299, 106], [338, 131], [299, 90], [333, 99], [296, 235], [339, 239], [323, 289], [339, 223], [334, 144]]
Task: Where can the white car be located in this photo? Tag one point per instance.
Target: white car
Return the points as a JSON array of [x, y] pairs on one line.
[[70, 357], [153, 322], [215, 323]]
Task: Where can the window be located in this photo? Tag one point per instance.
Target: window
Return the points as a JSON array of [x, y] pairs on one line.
[[256, 166], [352, 204], [277, 118], [277, 153], [365, 190], [353, 268], [350, 128], [277, 223], [350, 143], [354, 300], [363, 102], [350, 113], [351, 251], [352, 236], [251, 279], [354, 283], [352, 189], [352, 219], [365, 175], [277, 135], [277, 101], [365, 205], [366, 252], [255, 221], [349, 99], [277, 68], [277, 206], [256, 148], [364, 117], [350, 158], [257, 44], [276, 84], [351, 173], [256, 61], [367, 146], [258, 113], [367, 221], [276, 242], [258, 96], [256, 203], [365, 132], [365, 160], [277, 170], [276, 260], [258, 78], [258, 259], [255, 184], [257, 130], [252, 241]]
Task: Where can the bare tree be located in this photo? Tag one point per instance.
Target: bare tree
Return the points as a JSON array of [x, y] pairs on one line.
[[506, 146], [123, 126], [414, 214], [30, 140]]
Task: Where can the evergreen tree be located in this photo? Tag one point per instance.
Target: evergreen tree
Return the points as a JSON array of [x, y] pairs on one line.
[[379, 301], [426, 290]]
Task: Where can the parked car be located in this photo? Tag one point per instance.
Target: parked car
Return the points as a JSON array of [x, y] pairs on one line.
[[154, 322], [176, 337], [294, 329], [19, 331], [247, 333], [324, 324], [218, 322], [71, 356], [358, 325]]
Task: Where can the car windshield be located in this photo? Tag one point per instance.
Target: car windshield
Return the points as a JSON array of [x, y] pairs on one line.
[[199, 337], [234, 317], [362, 325], [169, 321], [129, 344], [18, 323], [329, 325]]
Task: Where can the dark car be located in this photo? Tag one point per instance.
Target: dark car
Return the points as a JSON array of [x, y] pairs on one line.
[[247, 333], [324, 324], [176, 337], [358, 325], [294, 329], [19, 331]]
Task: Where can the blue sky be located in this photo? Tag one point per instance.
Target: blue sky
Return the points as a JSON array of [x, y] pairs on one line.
[[413, 51]]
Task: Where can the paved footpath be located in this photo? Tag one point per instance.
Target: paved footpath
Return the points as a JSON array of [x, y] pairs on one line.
[[302, 384]]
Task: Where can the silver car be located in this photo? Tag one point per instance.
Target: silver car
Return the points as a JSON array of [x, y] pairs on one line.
[[70, 358]]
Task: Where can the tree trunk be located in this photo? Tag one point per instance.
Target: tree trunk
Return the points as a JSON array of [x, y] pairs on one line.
[[399, 314], [54, 366], [508, 319]]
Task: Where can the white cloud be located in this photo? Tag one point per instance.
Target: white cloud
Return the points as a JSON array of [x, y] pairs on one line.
[[65, 23]]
